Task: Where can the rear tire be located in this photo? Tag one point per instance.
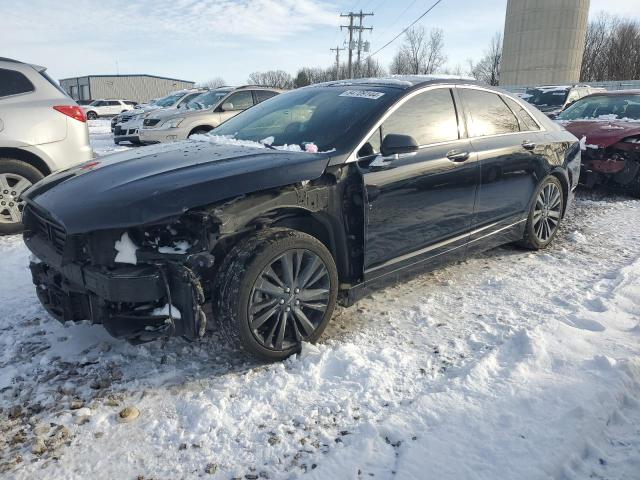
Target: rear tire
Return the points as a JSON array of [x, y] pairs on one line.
[[15, 178], [545, 215], [92, 115], [275, 290]]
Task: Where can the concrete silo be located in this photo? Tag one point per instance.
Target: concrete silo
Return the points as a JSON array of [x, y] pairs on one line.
[[543, 41]]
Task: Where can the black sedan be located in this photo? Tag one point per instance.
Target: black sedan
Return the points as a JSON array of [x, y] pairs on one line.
[[312, 197]]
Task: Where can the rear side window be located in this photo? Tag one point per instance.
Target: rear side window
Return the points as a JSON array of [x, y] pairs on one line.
[[113, 102], [240, 100], [262, 95], [527, 123], [429, 117], [13, 83], [489, 114]]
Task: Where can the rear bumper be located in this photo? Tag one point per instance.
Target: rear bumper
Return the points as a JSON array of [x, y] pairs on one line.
[[127, 300]]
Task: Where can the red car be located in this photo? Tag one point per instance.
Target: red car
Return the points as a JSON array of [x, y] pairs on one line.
[[610, 125]]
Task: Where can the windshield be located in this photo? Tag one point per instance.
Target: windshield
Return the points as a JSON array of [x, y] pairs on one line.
[[325, 116], [604, 107], [168, 100], [547, 98], [207, 99]]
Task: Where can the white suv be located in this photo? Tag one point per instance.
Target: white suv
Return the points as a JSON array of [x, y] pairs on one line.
[[41, 130], [107, 108]]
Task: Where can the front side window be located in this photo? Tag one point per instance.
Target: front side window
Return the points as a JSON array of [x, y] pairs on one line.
[[240, 100], [13, 83], [527, 123], [489, 115], [113, 103], [429, 117]]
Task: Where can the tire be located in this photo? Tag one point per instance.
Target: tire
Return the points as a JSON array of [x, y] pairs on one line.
[[92, 115], [15, 177], [240, 288], [544, 212]]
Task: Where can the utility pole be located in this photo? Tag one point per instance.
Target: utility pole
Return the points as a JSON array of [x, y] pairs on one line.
[[337, 50], [351, 27]]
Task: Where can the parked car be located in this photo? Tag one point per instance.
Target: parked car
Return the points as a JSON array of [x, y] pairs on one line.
[[41, 130], [315, 196], [552, 99], [202, 114], [610, 125], [107, 107], [127, 124]]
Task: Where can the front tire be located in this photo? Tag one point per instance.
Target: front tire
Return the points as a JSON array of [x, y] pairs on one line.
[[275, 290], [92, 115], [15, 178], [545, 214]]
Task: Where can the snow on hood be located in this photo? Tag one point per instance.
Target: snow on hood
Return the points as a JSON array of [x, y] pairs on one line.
[[601, 133], [264, 143]]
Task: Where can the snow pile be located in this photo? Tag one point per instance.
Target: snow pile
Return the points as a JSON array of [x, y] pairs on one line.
[[126, 250], [167, 311], [180, 247], [265, 143]]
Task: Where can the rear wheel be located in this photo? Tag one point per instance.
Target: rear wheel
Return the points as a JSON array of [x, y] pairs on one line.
[[15, 178], [92, 115], [545, 214], [275, 291]]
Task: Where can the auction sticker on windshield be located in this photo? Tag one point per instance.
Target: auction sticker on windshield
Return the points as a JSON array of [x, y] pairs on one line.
[[362, 94]]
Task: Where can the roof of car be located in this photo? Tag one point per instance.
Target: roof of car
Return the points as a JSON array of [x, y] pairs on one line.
[[403, 81], [634, 91]]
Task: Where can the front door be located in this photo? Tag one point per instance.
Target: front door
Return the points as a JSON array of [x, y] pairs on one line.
[[419, 207]]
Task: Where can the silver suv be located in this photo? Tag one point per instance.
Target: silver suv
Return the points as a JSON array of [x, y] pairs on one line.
[[41, 130], [202, 114], [126, 125]]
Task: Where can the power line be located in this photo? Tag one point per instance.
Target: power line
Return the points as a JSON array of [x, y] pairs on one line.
[[395, 21], [407, 28]]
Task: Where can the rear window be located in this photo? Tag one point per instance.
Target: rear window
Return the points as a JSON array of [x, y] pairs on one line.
[[526, 120], [262, 95], [13, 83], [489, 114]]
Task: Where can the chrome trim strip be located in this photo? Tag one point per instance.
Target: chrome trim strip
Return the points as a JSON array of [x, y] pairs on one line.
[[438, 245]]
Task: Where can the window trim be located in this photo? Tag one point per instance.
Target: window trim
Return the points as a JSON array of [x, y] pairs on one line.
[[13, 95], [459, 105], [504, 97]]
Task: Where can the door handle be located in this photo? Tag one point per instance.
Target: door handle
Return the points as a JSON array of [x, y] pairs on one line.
[[457, 156], [527, 145]]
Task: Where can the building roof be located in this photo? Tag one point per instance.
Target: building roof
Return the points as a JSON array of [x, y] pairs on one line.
[[129, 75]]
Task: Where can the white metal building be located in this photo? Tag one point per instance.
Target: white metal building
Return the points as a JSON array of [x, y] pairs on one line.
[[139, 88]]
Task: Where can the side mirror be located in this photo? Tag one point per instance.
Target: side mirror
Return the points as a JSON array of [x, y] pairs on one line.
[[394, 144], [227, 106]]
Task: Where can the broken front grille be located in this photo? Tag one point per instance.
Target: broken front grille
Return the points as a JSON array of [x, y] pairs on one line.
[[48, 229]]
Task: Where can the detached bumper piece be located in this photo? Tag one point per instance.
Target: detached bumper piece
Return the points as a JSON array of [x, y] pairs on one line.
[[125, 300]]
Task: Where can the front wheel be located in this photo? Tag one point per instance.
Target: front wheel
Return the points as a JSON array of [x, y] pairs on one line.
[[92, 115], [276, 290], [545, 214]]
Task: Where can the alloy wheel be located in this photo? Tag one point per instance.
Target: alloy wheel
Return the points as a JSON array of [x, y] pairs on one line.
[[11, 186], [547, 213], [289, 299]]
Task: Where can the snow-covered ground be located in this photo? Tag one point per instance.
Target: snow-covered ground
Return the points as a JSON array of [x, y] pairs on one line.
[[510, 365]]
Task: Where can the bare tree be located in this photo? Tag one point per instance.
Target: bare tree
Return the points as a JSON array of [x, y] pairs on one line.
[[215, 82], [419, 53], [370, 67], [271, 78], [612, 49], [488, 68]]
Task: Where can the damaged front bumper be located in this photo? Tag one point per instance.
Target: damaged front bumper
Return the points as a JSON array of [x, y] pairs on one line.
[[139, 303], [615, 167]]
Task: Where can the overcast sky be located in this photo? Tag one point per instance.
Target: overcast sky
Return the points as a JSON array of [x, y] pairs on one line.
[[201, 39]]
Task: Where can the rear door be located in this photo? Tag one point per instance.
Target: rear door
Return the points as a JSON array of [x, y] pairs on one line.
[[419, 206], [510, 157]]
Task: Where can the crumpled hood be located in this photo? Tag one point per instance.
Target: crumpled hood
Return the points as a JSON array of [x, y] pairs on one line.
[[602, 133], [149, 184]]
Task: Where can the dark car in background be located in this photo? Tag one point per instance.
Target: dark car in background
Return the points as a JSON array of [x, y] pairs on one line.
[[553, 99], [610, 125], [312, 197]]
